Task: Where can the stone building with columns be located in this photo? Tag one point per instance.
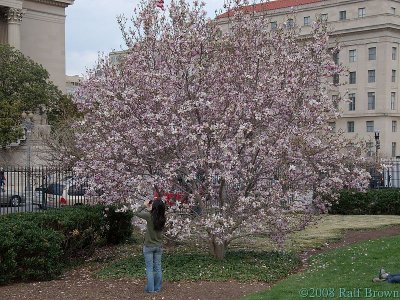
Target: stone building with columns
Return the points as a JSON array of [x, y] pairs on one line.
[[37, 29]]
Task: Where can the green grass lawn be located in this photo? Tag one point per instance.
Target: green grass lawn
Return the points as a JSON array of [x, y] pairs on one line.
[[237, 265], [332, 227], [345, 273], [325, 229]]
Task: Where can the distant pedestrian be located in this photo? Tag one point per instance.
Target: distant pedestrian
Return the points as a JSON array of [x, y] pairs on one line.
[[384, 276], [2, 179], [154, 214]]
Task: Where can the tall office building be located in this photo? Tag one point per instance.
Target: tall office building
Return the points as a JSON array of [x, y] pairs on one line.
[[368, 32]]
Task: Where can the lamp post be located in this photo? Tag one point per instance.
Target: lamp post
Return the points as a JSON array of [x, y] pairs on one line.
[[28, 125], [377, 146]]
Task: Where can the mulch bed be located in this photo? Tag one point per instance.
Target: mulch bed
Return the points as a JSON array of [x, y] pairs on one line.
[[79, 284]]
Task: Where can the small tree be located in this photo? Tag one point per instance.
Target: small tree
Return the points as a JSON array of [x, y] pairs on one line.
[[236, 119], [24, 86]]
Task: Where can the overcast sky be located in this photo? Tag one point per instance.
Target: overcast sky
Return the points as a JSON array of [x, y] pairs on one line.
[[91, 27]]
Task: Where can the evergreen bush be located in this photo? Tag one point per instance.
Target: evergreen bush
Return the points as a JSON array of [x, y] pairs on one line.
[[373, 202], [37, 246]]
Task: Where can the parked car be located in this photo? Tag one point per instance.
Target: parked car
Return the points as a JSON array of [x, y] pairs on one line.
[[10, 197], [58, 194]]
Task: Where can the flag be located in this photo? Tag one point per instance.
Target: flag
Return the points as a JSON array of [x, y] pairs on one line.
[[160, 4]]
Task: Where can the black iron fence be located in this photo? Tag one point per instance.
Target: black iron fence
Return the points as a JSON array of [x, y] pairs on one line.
[[386, 175], [35, 189], [391, 173]]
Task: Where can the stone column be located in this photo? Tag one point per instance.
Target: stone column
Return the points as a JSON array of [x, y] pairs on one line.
[[14, 19]]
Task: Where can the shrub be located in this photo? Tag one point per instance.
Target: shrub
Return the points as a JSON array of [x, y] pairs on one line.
[[118, 225], [373, 202], [81, 227], [37, 246], [28, 252]]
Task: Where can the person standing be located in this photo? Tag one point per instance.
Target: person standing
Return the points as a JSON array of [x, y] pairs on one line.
[[154, 214], [2, 179]]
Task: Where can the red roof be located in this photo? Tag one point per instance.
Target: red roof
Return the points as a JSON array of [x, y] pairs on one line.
[[271, 5]]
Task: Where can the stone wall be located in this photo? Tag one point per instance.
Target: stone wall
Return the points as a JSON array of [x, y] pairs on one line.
[[31, 151]]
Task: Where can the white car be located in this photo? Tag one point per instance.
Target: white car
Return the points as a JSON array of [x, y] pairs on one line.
[[60, 194]]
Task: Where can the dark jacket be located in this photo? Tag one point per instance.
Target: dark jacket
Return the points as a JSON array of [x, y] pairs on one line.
[[152, 237]]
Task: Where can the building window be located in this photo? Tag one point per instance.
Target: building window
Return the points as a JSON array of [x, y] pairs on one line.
[[336, 79], [352, 55], [350, 126], [290, 23], [332, 126], [352, 78], [393, 10], [352, 103], [307, 21], [371, 100], [324, 17], [274, 25], [393, 75], [371, 76], [335, 101], [336, 57], [393, 101], [342, 15], [370, 126], [362, 12], [372, 53], [393, 149], [394, 126], [394, 53]]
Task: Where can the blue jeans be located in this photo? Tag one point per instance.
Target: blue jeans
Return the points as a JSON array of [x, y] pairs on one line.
[[393, 278], [152, 258]]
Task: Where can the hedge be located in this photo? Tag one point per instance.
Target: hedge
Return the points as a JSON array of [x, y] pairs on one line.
[[372, 202], [28, 252], [118, 225], [37, 246]]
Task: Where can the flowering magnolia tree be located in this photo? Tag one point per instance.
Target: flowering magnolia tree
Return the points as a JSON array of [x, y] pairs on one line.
[[236, 120]]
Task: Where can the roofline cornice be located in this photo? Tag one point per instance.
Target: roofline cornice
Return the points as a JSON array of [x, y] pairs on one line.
[[299, 8], [62, 3]]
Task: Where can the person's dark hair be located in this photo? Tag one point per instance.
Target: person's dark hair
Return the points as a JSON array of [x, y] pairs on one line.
[[158, 214]]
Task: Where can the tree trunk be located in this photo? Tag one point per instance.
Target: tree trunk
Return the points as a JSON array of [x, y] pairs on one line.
[[217, 250]]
